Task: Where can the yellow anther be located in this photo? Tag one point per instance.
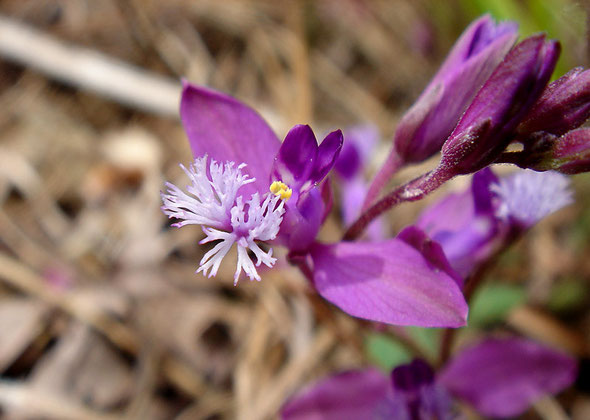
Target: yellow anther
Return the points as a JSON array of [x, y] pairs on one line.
[[281, 189]]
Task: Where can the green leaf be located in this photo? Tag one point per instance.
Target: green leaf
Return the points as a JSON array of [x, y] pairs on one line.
[[492, 303], [567, 295], [427, 338], [386, 352]]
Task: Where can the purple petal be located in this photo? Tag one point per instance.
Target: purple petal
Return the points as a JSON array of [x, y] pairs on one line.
[[564, 105], [416, 395], [572, 152], [227, 130], [413, 376], [431, 250], [484, 130], [472, 60], [297, 157], [302, 220], [479, 35], [502, 377], [347, 396], [388, 281], [464, 224], [327, 154]]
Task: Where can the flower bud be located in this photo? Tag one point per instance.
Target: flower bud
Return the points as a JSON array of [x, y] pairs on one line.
[[472, 60], [568, 154], [487, 126], [563, 106]]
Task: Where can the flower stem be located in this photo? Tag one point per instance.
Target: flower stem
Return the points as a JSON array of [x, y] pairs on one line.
[[412, 191], [393, 164], [471, 285]]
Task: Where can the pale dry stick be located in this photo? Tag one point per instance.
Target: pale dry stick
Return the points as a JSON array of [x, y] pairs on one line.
[[247, 375], [40, 404], [22, 245], [549, 409], [294, 43], [25, 178], [534, 323], [87, 69], [26, 280], [274, 394]]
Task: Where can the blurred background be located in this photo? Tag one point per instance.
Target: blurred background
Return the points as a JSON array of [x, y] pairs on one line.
[[101, 313]]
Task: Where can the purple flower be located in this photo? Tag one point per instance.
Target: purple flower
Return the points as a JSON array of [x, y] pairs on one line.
[[246, 189], [488, 124], [245, 186], [498, 377], [473, 58], [471, 225]]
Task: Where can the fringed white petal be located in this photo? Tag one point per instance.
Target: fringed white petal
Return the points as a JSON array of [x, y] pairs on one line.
[[528, 196], [212, 200]]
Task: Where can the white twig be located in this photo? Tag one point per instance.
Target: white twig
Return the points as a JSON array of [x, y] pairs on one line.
[[87, 69]]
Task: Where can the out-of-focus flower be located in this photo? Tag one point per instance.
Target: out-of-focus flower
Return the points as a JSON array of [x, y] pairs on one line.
[[254, 189], [471, 225], [361, 142], [498, 377]]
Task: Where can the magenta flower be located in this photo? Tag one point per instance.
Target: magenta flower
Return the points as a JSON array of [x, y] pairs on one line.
[[498, 377], [246, 188]]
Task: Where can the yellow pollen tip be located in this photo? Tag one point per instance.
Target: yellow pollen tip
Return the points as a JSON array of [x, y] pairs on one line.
[[281, 189]]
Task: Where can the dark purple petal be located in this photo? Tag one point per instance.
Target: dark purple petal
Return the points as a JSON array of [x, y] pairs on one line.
[[502, 377], [297, 157], [302, 220], [388, 281], [347, 396], [416, 395], [431, 250], [327, 154], [572, 152], [412, 377], [227, 130], [484, 130], [472, 60], [563, 106]]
